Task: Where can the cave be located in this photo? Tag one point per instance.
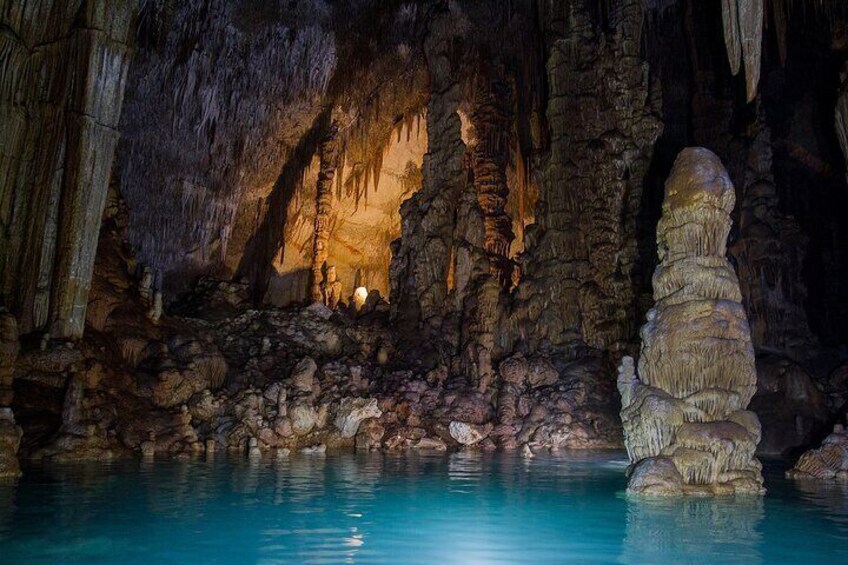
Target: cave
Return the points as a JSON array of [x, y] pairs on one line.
[[407, 281]]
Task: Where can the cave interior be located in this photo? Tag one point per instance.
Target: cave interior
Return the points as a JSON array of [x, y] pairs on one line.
[[267, 226]]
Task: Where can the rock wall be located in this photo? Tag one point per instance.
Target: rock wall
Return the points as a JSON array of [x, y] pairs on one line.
[[769, 255], [63, 78], [579, 261], [841, 113], [10, 432], [686, 426]]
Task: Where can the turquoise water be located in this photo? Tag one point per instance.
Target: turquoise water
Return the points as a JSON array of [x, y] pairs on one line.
[[411, 508]]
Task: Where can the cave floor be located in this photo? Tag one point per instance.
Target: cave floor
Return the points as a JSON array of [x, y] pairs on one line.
[[359, 507]]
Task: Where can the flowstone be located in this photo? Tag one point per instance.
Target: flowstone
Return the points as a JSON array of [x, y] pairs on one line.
[[686, 402]]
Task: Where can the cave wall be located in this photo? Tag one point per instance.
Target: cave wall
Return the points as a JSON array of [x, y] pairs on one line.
[[360, 232]]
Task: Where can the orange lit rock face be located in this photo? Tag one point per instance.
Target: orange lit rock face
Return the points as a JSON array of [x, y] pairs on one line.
[[358, 234], [687, 401]]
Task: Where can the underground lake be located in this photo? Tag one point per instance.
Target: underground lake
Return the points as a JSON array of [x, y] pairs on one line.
[[567, 507]]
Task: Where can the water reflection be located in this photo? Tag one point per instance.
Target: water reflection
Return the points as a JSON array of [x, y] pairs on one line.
[[463, 507], [665, 530], [829, 496]]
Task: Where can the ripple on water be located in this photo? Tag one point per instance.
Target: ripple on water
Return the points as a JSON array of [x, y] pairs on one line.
[[403, 508]]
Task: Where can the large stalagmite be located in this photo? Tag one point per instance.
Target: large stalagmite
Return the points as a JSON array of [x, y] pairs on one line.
[[686, 426]]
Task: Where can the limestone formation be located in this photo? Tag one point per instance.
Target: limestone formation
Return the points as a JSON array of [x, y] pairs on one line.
[[322, 288], [580, 256], [828, 462], [421, 263], [467, 434], [352, 411], [743, 37], [490, 156], [10, 432], [686, 403], [63, 78], [769, 254]]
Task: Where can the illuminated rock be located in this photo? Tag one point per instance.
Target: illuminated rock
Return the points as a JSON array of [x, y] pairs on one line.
[[686, 403]]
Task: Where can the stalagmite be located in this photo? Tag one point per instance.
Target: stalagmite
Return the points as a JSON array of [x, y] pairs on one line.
[[687, 402]]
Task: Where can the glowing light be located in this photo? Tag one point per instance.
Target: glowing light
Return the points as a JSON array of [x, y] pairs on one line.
[[359, 297]]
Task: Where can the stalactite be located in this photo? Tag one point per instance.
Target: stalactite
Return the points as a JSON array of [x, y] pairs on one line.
[[732, 39], [743, 38]]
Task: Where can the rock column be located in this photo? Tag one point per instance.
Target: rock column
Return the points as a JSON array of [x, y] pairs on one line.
[[770, 257], [578, 286], [489, 159], [421, 260], [686, 426], [328, 151], [60, 102]]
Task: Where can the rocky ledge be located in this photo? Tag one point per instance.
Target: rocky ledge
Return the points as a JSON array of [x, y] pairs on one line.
[[256, 381]]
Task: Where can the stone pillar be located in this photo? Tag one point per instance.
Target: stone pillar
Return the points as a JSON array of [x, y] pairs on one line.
[[489, 159], [421, 261], [60, 107], [577, 286], [686, 426], [328, 155]]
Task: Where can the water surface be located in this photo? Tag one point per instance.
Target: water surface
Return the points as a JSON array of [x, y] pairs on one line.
[[402, 508]]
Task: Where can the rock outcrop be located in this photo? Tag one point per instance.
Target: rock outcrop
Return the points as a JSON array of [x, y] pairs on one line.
[[687, 402], [829, 462]]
